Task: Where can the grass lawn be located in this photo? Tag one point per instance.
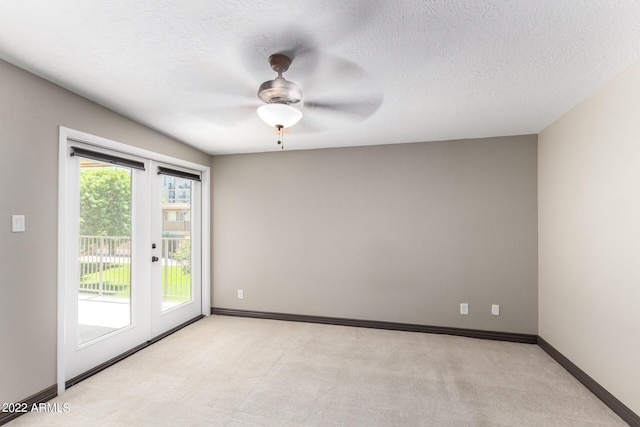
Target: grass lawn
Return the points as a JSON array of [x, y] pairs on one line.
[[117, 282]]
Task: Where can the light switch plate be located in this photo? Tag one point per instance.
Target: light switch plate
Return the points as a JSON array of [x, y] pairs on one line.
[[17, 223], [495, 309]]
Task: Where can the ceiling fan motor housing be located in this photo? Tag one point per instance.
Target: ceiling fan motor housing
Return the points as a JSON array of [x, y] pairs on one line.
[[279, 91]]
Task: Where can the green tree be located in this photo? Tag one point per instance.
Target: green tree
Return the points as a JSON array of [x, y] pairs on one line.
[[105, 201], [183, 256]]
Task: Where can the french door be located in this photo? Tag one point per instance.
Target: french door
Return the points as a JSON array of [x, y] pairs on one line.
[[177, 230], [131, 252]]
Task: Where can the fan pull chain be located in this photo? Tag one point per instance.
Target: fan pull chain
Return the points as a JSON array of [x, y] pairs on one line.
[[280, 137]]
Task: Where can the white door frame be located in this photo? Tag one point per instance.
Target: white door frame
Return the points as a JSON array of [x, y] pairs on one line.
[[63, 274]]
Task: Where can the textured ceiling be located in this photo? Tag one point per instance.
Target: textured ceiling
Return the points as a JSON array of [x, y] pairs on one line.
[[423, 70]]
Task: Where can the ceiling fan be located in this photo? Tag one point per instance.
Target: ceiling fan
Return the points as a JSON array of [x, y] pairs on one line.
[[279, 95], [284, 103], [332, 90]]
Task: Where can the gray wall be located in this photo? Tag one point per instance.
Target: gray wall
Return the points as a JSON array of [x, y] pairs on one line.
[[589, 220], [31, 110], [399, 233]]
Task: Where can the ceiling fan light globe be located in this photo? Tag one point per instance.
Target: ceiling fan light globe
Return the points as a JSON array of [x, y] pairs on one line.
[[275, 114]]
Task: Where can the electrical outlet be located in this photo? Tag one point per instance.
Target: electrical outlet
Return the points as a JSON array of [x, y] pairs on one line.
[[495, 309], [240, 294], [464, 308], [17, 223]]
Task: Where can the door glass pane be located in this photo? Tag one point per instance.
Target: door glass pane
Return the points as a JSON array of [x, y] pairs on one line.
[[104, 294], [176, 241]]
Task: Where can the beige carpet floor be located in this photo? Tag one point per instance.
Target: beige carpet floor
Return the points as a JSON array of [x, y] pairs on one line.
[[227, 371]]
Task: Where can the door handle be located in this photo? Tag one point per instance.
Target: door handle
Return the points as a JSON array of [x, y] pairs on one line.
[[155, 259]]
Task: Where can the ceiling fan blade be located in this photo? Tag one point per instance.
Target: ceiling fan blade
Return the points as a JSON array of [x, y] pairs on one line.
[[226, 116], [202, 76], [310, 124], [333, 27], [355, 109], [336, 75], [212, 94], [294, 42]]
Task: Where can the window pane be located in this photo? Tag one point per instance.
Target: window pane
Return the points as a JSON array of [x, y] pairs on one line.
[[176, 241], [104, 293]]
